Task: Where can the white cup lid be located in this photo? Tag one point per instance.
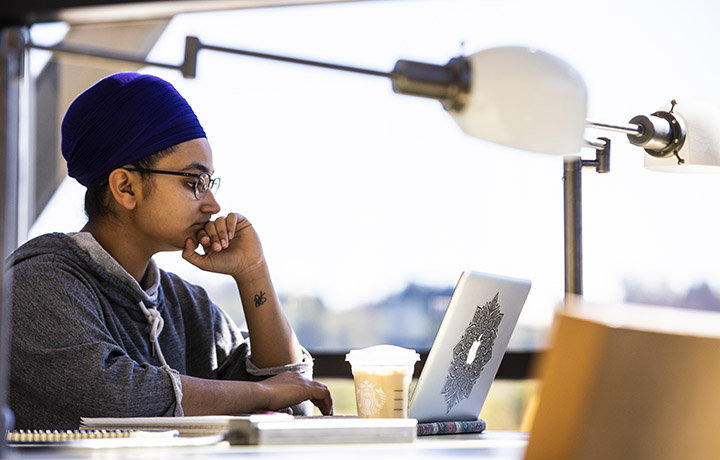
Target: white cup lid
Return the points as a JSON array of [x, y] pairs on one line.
[[382, 355]]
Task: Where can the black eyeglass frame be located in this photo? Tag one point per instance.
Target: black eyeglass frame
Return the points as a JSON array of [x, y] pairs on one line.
[[212, 183]]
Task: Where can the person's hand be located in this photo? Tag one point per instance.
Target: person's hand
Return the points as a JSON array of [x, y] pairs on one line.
[[231, 246], [290, 388]]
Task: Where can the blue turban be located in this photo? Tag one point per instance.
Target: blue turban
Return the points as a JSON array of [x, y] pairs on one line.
[[121, 119]]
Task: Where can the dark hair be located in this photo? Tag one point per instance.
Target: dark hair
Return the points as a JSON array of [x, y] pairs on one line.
[[97, 195]]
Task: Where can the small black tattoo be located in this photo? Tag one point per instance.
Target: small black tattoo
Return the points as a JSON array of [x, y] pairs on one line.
[[260, 299]]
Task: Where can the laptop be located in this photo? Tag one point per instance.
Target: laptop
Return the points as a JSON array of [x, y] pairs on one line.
[[469, 345]]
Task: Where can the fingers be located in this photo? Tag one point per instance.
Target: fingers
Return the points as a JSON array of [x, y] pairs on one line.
[[321, 397], [231, 221], [216, 235], [325, 404], [290, 388], [203, 238], [230, 246], [188, 252]]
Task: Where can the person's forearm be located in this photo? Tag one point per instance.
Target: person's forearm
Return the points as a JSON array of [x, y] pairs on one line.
[[272, 340], [220, 397], [229, 397]]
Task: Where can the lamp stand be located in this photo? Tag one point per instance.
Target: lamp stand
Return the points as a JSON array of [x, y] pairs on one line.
[[572, 187]]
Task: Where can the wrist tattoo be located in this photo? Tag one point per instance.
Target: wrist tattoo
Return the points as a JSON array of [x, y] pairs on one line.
[[260, 299]]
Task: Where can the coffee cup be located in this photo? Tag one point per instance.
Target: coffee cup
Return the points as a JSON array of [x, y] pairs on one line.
[[382, 376]]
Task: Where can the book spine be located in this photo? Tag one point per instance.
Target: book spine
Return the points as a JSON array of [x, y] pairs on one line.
[[475, 426]]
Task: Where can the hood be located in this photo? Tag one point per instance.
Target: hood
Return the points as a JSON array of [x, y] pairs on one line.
[[81, 252]]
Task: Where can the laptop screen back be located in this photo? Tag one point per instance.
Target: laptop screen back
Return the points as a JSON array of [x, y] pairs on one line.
[[468, 348]]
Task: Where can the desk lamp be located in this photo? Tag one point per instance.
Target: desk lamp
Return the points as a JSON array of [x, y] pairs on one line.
[[681, 137], [528, 99]]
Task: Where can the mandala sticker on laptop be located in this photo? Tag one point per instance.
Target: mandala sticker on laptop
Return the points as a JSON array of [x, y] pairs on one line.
[[472, 352]]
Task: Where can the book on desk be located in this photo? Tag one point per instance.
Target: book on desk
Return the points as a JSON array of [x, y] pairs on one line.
[[255, 429], [264, 429]]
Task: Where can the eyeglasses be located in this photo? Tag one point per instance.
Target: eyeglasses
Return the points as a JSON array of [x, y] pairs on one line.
[[203, 182]]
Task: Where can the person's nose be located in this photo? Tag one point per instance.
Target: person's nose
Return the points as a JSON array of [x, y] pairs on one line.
[[210, 204]]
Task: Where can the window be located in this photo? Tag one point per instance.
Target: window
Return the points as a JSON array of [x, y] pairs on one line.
[[370, 204]]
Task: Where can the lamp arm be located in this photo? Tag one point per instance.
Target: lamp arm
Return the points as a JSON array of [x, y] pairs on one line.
[[447, 83], [101, 54], [629, 128], [661, 134], [189, 66], [193, 45]]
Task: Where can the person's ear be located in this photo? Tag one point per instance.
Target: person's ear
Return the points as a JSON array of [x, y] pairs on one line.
[[124, 187]]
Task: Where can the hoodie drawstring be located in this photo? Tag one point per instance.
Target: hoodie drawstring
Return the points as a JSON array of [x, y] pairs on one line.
[[156, 324]]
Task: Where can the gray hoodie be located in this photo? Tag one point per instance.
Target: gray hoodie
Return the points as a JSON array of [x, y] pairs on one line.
[[82, 330]]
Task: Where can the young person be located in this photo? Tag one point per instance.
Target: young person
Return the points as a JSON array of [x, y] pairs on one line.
[[98, 329]]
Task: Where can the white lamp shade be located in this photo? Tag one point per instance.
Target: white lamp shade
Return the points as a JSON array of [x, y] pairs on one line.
[[526, 99], [701, 150]]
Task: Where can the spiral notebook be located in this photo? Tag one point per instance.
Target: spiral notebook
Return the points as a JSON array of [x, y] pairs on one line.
[[106, 439]]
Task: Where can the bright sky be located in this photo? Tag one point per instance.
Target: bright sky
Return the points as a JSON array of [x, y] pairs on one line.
[[357, 191]]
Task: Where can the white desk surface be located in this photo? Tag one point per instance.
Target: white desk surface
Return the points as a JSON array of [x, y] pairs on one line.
[[505, 445]]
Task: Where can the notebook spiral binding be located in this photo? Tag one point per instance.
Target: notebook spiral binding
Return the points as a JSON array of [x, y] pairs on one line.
[[52, 436]]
